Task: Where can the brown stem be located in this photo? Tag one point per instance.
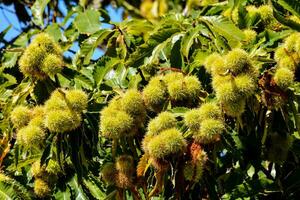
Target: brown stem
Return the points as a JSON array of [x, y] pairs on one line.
[[114, 148], [162, 69], [159, 184], [120, 194], [132, 147], [5, 152], [54, 12], [135, 193], [145, 190]]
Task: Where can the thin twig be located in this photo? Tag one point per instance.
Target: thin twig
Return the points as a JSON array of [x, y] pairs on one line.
[[162, 69]]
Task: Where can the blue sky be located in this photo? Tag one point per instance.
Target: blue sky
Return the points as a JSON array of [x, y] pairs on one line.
[[7, 17]]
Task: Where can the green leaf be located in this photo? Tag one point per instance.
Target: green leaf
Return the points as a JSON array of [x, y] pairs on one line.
[[117, 78], [253, 188], [90, 44], [224, 27], [93, 188], [274, 37], [104, 15], [3, 33], [104, 65], [137, 27], [82, 81], [70, 14], [64, 195], [22, 91], [176, 58], [10, 59], [55, 32], [136, 59], [179, 111], [291, 5], [188, 39], [198, 60], [22, 40], [11, 189], [160, 47], [24, 163], [88, 22], [10, 80], [5, 94], [38, 11], [287, 22], [77, 190]]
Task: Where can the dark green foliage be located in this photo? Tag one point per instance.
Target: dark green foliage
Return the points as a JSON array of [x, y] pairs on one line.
[[203, 95]]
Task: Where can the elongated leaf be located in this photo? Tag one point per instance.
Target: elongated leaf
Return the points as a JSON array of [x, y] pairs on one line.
[[287, 22], [77, 190], [103, 67], [138, 27], [22, 91], [176, 57], [38, 11], [137, 58], [188, 40], [90, 44], [3, 33], [160, 47], [224, 27], [83, 82], [24, 163], [12, 190], [93, 189], [10, 80], [291, 5]]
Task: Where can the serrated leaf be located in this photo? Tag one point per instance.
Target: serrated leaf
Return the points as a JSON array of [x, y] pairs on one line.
[[90, 44], [88, 22], [138, 27], [83, 82], [136, 59], [93, 188], [198, 59], [102, 68], [10, 59], [224, 27], [22, 91], [24, 163], [117, 78], [160, 47], [188, 40]]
